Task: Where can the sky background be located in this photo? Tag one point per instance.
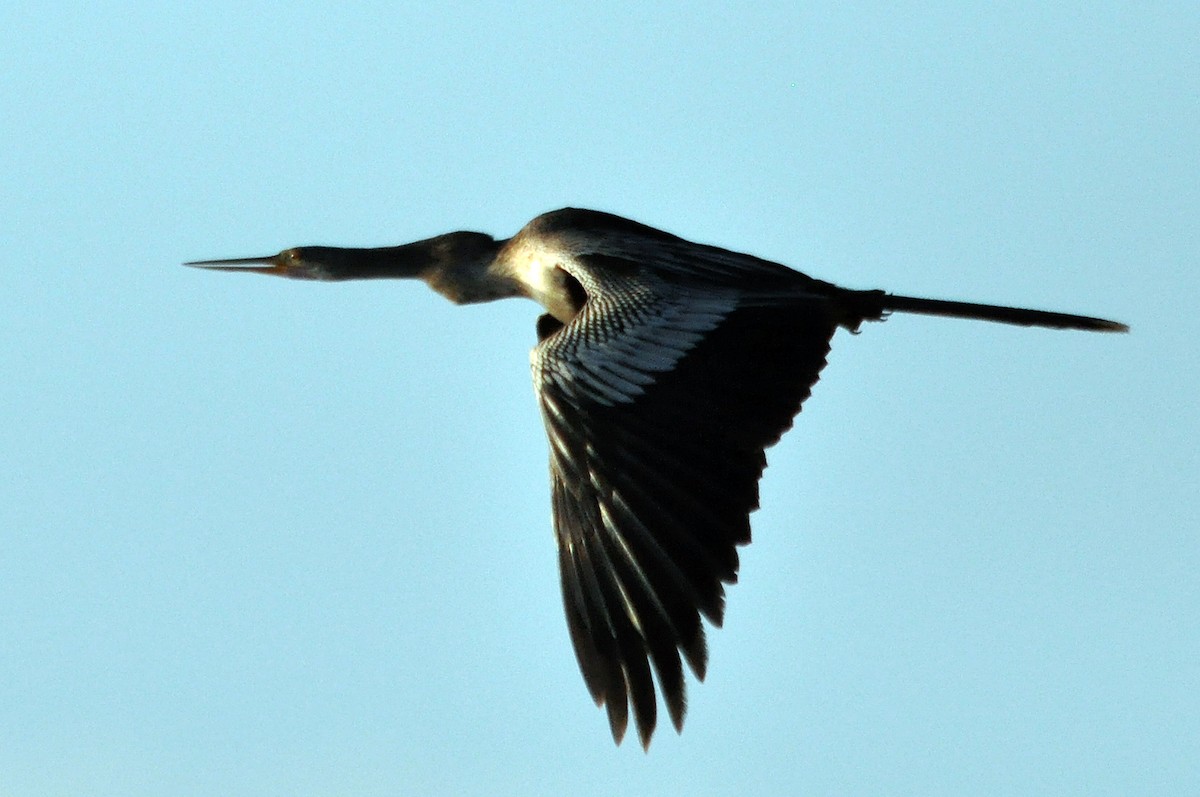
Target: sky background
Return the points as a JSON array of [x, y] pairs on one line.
[[263, 537]]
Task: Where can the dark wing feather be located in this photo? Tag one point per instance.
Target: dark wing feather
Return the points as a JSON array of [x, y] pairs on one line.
[[658, 407]]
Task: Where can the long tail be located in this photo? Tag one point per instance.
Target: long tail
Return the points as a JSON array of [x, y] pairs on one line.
[[887, 303]]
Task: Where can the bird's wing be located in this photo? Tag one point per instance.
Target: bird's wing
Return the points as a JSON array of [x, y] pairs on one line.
[[658, 406]]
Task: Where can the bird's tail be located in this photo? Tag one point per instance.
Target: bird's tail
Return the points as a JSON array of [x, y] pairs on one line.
[[878, 304]]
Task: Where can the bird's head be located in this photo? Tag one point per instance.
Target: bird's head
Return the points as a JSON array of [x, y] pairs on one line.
[[431, 257], [300, 262]]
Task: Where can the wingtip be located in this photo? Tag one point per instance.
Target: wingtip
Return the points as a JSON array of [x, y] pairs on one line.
[[618, 722]]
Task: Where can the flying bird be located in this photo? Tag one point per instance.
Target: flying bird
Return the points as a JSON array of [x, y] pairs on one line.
[[663, 369]]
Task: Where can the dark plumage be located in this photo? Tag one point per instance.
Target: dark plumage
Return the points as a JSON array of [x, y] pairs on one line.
[[664, 369]]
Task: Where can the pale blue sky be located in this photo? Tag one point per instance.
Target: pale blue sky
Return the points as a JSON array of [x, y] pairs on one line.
[[261, 537]]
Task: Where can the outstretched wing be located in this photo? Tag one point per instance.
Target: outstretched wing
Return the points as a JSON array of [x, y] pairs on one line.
[[659, 404]]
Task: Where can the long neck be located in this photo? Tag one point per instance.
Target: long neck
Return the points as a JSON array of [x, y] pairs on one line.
[[384, 262], [462, 267], [458, 265], [404, 261]]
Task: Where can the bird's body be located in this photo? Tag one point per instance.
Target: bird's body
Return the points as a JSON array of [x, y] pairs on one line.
[[664, 369]]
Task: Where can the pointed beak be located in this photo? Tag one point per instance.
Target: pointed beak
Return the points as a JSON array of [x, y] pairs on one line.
[[271, 264]]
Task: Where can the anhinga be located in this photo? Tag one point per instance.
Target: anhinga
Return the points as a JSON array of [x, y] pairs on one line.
[[663, 368]]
